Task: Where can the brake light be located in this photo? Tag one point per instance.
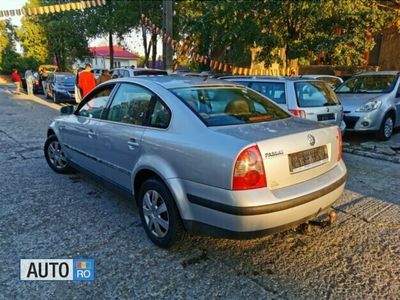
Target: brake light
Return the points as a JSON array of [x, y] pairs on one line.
[[249, 170], [298, 113], [340, 144]]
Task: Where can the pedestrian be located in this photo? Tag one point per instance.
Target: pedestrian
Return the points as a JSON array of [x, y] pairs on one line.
[[86, 80], [29, 79], [105, 75], [17, 80], [78, 91]]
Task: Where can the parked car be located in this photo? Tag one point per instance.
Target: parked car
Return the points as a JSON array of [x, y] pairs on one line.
[[371, 102], [333, 81], [208, 157], [130, 72], [60, 86], [303, 97]]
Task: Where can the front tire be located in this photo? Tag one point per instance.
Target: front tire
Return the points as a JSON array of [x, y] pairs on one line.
[[159, 214], [387, 127], [55, 156]]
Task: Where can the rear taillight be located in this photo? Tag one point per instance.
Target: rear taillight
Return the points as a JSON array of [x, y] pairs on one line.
[[249, 170], [340, 144], [298, 113]]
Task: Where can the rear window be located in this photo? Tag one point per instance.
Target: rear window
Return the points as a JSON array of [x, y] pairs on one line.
[[314, 94], [273, 90], [219, 106], [150, 72]]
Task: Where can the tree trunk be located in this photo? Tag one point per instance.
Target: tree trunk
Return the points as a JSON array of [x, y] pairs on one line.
[[154, 52], [111, 48], [146, 46]]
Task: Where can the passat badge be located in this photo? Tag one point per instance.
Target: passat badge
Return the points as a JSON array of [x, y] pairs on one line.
[[311, 139]]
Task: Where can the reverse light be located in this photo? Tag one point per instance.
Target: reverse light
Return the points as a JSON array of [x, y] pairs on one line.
[[340, 144], [369, 106], [298, 113], [249, 170]]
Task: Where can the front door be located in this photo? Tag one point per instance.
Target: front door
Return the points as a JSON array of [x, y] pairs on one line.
[[80, 135]]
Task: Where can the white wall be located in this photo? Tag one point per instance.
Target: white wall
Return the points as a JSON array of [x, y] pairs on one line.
[[104, 63]]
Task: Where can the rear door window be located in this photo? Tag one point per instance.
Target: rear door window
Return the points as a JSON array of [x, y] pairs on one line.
[[314, 94], [273, 90]]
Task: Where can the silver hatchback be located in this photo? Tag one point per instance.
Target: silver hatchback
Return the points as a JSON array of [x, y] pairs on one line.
[[371, 102], [304, 97], [207, 157]]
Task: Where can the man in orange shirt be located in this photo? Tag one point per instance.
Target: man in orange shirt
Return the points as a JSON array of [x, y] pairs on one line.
[[86, 81]]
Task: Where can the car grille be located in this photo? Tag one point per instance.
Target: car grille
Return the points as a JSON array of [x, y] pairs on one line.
[[350, 121]]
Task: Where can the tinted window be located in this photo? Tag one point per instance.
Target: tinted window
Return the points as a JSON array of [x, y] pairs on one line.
[[368, 84], [65, 79], [161, 115], [245, 83], [314, 94], [98, 101], [130, 105], [273, 90], [218, 106]]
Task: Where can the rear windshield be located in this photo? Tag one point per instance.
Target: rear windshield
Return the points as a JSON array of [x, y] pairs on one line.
[[219, 106], [314, 94], [150, 72], [368, 84]]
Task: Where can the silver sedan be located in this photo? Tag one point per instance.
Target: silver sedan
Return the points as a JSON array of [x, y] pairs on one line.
[[201, 156]]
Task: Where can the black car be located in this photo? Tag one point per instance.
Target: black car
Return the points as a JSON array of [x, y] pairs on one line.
[[60, 86]]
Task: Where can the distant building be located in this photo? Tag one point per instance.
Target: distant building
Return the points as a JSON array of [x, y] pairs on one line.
[[101, 58]]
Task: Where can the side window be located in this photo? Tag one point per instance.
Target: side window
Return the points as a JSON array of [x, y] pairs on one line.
[[161, 115], [94, 107], [130, 105], [273, 90], [126, 73], [245, 83]]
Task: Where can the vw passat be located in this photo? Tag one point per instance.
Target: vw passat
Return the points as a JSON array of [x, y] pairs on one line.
[[203, 156]]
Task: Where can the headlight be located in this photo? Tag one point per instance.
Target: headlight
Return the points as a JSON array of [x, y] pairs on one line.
[[370, 106]]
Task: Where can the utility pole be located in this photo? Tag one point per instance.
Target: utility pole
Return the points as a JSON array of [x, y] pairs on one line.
[[167, 28]]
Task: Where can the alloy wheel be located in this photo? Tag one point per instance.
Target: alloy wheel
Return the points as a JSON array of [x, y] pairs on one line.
[[56, 155], [155, 213], [388, 127]]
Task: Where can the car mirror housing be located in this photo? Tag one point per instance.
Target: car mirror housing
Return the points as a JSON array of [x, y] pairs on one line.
[[67, 110]]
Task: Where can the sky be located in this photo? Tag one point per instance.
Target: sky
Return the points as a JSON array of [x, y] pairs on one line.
[[132, 42]]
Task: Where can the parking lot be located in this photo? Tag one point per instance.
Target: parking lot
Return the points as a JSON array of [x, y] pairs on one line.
[[45, 215]]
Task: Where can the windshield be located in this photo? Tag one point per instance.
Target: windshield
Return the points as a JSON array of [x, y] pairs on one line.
[[368, 84], [218, 106], [65, 79], [314, 94]]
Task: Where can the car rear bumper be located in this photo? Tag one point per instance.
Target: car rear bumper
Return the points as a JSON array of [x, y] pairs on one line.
[[246, 214]]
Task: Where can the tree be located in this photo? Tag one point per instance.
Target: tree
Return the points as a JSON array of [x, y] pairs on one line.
[[9, 58]]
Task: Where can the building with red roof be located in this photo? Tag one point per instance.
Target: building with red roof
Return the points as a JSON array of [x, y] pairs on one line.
[[122, 57]]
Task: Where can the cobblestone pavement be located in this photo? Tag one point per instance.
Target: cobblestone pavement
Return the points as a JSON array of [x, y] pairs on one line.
[[45, 215]]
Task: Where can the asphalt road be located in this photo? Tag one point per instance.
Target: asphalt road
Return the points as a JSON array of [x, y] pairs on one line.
[[46, 215]]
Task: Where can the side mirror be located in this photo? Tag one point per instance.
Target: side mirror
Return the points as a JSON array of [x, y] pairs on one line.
[[67, 110]]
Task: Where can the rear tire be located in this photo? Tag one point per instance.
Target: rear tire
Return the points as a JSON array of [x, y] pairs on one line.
[[159, 214], [55, 156], [387, 127]]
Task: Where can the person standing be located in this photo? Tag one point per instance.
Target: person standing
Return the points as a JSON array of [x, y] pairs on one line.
[[104, 77], [86, 80], [78, 92], [17, 80], [29, 81]]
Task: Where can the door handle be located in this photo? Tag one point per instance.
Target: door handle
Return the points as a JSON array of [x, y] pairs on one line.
[[132, 144], [91, 134]]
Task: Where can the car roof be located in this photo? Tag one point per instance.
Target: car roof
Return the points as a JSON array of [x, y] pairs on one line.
[[270, 78], [64, 73], [171, 82], [318, 75], [378, 73]]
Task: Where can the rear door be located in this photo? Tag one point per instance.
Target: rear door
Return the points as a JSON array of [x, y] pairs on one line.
[[318, 101], [121, 134]]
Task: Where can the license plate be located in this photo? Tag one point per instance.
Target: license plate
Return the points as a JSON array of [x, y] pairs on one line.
[[307, 159], [325, 117]]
